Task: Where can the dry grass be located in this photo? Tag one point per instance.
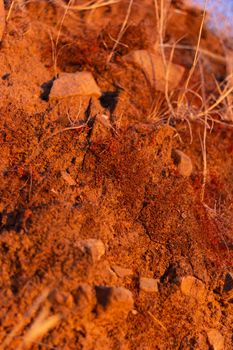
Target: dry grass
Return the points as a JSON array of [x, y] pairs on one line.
[[156, 321], [181, 108], [37, 321], [123, 27], [40, 327], [89, 5], [195, 60], [34, 325]]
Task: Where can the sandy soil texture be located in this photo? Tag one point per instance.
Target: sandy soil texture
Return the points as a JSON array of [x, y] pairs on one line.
[[117, 182]]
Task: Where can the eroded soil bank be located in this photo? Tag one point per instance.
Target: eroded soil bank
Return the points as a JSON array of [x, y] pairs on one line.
[[104, 242]]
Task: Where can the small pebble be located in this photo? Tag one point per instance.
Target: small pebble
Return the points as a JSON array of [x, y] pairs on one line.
[[61, 297], [84, 298], [215, 339], [149, 284], [94, 247], [121, 271], [68, 178], [134, 312], [114, 300], [192, 287], [74, 84], [183, 163]]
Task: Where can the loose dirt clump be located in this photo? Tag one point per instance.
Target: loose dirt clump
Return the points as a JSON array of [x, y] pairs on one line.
[[115, 205]]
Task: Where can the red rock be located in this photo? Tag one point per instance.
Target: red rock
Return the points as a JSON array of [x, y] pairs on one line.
[[215, 339], [94, 247], [121, 271], [114, 300], [74, 84], [153, 66], [148, 284], [192, 287], [183, 162]]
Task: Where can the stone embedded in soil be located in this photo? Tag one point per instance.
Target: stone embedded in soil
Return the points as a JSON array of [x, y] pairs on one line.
[[61, 297], [94, 247], [183, 162], [68, 178], [148, 284], [215, 339], [74, 84], [153, 66], [101, 128], [192, 287], [121, 271], [228, 283], [84, 298], [114, 300], [2, 19]]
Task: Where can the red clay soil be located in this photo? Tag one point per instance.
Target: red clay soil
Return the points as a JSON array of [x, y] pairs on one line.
[[61, 186]]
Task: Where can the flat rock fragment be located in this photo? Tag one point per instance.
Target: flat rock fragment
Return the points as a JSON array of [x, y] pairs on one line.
[[94, 247], [74, 84], [183, 162], [192, 287], [148, 284], [215, 339], [153, 67], [84, 298], [114, 300], [61, 297], [122, 271], [68, 178]]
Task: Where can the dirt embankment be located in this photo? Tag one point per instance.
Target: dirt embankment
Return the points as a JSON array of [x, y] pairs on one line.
[[108, 238]]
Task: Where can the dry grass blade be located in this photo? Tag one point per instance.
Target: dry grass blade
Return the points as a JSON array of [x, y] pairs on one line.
[[42, 325], [54, 46], [157, 321], [10, 10], [181, 99], [203, 143], [33, 309], [88, 5], [167, 71], [38, 149], [121, 31], [229, 79], [161, 13], [214, 215], [207, 53], [65, 129], [216, 104]]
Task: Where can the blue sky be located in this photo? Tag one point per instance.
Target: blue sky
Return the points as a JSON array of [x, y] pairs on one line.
[[221, 13]]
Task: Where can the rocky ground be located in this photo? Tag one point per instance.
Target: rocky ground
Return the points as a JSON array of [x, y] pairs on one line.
[[116, 178]]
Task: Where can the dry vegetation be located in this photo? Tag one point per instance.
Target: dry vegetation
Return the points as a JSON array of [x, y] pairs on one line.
[[116, 176]]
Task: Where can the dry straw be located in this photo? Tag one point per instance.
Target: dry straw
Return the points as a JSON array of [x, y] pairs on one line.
[[40, 324]]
